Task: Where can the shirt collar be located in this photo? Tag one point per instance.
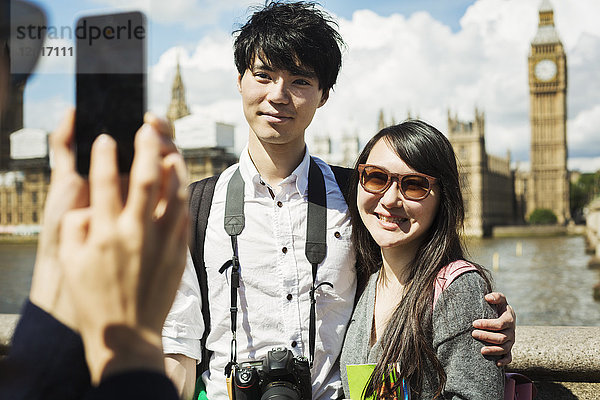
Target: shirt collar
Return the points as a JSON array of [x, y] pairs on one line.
[[253, 180]]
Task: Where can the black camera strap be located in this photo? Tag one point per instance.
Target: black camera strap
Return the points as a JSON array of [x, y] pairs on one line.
[[234, 224], [316, 246], [316, 243]]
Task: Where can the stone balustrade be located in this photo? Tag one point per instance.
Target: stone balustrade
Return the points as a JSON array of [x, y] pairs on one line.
[[563, 361]]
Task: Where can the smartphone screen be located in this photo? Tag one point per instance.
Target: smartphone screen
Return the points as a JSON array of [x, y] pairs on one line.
[[110, 83]]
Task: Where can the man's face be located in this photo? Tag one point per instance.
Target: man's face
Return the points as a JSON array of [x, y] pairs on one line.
[[279, 104]]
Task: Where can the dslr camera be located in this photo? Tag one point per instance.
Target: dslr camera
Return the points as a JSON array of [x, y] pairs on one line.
[[279, 375]]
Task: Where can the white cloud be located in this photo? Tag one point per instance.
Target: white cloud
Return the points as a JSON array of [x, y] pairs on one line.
[[52, 109], [208, 74], [417, 64], [583, 133], [584, 164], [192, 13]]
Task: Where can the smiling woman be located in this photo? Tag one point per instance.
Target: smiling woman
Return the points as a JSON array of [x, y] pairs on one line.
[[407, 218]]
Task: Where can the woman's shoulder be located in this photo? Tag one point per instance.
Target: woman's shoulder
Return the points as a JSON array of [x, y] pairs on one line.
[[469, 287], [461, 273], [472, 279], [461, 303]]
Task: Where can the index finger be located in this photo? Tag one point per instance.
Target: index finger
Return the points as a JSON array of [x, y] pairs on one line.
[[165, 130], [499, 299], [105, 191], [505, 321], [63, 158], [496, 298], [146, 173]]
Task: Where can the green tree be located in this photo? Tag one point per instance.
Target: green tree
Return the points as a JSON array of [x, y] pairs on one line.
[[583, 192], [542, 216]]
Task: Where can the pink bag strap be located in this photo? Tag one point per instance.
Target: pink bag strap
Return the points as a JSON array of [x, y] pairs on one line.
[[448, 274], [516, 386]]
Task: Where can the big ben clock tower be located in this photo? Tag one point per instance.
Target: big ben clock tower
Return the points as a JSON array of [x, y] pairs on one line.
[[549, 184]]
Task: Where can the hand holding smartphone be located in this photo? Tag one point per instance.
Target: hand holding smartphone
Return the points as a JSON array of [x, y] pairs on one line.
[[110, 83]]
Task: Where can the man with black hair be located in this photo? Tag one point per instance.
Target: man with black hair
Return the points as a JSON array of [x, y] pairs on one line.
[[288, 57]]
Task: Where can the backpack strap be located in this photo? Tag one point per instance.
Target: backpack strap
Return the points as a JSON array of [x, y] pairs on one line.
[[342, 177], [448, 274], [200, 200]]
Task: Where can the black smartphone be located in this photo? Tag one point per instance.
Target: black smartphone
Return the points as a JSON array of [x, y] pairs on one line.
[[110, 83]]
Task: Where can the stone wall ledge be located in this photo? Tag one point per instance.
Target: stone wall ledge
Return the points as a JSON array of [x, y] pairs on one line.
[[557, 353], [8, 322], [563, 361]]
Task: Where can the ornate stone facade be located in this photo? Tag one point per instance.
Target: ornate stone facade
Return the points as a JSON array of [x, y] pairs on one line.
[[549, 180], [22, 196], [345, 153], [23, 182], [486, 180], [207, 161]]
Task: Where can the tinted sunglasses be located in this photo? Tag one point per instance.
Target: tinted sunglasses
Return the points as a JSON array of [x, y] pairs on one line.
[[377, 180]]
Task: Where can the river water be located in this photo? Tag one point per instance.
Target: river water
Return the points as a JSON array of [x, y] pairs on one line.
[[546, 280]]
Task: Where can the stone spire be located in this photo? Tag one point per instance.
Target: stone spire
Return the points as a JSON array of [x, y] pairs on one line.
[[381, 121], [546, 31], [178, 107], [546, 6]]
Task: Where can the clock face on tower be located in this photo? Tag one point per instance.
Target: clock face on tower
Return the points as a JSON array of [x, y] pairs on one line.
[[545, 70]]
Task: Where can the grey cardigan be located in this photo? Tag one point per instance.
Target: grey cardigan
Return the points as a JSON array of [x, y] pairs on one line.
[[469, 375]]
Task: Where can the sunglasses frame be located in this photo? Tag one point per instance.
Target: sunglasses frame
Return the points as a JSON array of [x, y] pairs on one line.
[[398, 178]]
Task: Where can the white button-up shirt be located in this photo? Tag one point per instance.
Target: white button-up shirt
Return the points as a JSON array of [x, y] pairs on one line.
[[275, 279]]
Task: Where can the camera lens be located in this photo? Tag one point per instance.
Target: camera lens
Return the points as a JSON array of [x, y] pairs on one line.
[[281, 390]]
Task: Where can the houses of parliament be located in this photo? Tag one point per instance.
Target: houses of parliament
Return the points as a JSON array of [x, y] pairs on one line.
[[494, 194]]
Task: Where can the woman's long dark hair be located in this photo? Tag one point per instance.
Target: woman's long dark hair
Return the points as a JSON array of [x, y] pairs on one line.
[[407, 339]]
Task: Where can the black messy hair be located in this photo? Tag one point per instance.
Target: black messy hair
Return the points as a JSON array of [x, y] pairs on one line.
[[294, 36]]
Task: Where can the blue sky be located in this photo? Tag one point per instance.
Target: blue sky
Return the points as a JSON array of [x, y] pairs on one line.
[[425, 57], [167, 34]]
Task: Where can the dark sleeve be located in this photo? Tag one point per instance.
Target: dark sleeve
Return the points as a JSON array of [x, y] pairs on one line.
[[470, 375], [46, 360], [147, 385]]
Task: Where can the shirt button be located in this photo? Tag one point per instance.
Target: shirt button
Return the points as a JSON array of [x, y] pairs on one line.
[[284, 250], [294, 344], [337, 235], [289, 296], [279, 204]]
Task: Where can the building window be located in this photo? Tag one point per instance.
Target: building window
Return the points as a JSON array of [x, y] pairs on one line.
[[34, 197], [20, 220], [8, 218], [34, 217]]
